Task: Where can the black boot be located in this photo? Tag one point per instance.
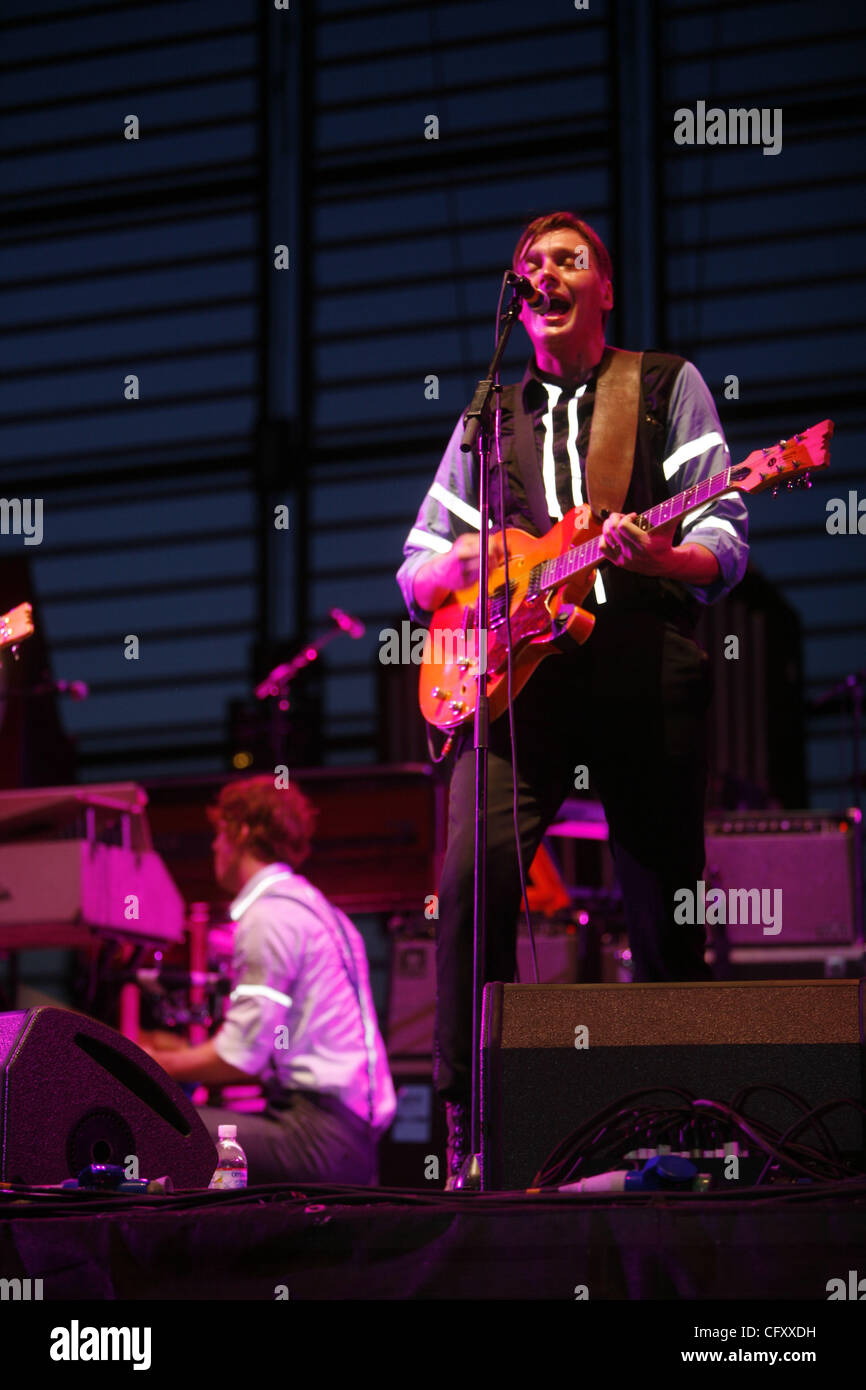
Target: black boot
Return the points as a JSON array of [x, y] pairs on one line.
[[459, 1136]]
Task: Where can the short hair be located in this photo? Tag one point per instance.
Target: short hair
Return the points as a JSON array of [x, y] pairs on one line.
[[551, 222], [281, 820]]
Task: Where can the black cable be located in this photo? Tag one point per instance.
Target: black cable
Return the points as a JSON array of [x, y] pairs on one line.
[[745, 1092], [515, 799], [614, 1131], [809, 1118], [771, 1141], [600, 1119]]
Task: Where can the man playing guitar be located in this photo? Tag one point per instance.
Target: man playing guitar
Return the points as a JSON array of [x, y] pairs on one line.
[[630, 704]]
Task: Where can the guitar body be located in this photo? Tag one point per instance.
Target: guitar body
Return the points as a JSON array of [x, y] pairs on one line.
[[455, 655]]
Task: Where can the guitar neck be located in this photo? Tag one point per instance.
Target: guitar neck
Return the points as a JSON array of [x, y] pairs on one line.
[[588, 555]]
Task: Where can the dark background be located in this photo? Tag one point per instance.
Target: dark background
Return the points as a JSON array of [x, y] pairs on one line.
[[306, 386]]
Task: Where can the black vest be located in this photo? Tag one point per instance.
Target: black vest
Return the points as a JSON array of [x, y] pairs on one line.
[[526, 509]]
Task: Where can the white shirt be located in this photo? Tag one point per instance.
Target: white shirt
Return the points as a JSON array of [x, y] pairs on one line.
[[302, 1011]]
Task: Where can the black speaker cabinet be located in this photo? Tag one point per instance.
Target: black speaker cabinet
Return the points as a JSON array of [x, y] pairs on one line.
[[712, 1039], [74, 1092]]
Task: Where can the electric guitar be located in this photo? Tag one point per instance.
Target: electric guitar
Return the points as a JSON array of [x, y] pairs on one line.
[[549, 577]]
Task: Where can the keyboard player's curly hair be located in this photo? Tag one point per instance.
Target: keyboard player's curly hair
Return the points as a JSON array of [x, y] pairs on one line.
[[281, 820]]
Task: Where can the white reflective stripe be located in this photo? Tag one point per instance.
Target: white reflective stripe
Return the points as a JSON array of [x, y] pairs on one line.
[[601, 596], [712, 524], [548, 461], [690, 451], [264, 990], [571, 445], [239, 907], [456, 505], [428, 542]]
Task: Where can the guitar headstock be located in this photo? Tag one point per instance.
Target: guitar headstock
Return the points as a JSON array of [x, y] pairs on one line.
[[16, 625], [790, 459]]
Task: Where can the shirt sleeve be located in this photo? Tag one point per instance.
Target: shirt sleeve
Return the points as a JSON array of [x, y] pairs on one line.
[[695, 449], [266, 962], [449, 510]]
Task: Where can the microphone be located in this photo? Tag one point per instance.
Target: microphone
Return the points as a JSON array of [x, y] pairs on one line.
[[537, 300], [353, 626]]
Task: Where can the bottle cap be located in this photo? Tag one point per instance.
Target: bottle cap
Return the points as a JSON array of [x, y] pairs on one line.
[[227, 1131]]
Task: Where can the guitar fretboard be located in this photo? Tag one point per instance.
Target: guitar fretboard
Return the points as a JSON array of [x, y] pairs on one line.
[[588, 555]]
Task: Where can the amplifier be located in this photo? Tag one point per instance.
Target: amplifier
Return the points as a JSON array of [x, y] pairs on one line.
[[802, 864], [412, 995]]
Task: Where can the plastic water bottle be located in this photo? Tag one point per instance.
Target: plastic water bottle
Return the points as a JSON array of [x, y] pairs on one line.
[[231, 1169]]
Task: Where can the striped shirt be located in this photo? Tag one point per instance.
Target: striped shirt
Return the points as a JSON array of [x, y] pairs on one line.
[[679, 443]]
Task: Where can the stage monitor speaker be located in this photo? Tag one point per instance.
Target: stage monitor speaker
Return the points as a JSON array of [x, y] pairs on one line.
[[74, 1092], [553, 1056]]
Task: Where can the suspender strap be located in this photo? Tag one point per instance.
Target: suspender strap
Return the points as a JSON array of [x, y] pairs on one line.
[[527, 459], [613, 433]]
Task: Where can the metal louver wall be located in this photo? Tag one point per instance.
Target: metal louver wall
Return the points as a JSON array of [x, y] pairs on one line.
[[411, 235], [137, 257], [763, 280], [310, 126]]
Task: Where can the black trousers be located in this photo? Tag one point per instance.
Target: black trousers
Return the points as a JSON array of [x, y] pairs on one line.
[[631, 707], [302, 1136]]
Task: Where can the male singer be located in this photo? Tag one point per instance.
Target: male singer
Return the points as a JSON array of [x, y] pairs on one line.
[[629, 705]]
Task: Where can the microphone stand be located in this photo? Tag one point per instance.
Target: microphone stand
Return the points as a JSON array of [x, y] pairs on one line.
[[276, 685], [478, 420]]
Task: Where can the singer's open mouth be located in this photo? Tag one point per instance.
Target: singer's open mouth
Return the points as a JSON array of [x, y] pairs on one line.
[[558, 307]]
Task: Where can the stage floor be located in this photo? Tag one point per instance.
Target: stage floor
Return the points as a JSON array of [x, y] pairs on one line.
[[322, 1243]]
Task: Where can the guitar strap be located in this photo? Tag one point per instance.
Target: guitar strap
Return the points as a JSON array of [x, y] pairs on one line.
[[613, 433], [613, 436]]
